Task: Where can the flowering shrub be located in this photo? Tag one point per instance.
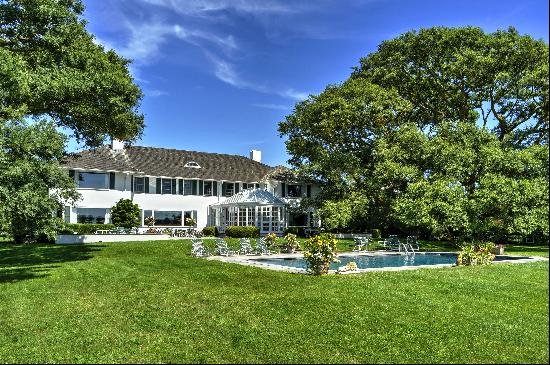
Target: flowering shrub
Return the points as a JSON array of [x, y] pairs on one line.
[[291, 241], [190, 221], [477, 254], [350, 266], [270, 239], [319, 252], [149, 221]]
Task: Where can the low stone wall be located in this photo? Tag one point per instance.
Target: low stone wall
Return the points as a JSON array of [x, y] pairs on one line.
[[67, 239]]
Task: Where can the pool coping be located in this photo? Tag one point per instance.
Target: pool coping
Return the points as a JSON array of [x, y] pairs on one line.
[[246, 260]]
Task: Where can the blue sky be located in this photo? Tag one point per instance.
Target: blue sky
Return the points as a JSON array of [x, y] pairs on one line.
[[218, 75]]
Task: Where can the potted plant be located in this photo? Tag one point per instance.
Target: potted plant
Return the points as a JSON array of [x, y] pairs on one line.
[[149, 222], [270, 239], [319, 252], [291, 242]]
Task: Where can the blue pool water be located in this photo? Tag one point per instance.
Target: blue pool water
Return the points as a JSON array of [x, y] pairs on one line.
[[378, 261]]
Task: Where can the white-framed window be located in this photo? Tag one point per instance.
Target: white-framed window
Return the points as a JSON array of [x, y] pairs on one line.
[[139, 184], [208, 189], [91, 215], [93, 180], [294, 191]]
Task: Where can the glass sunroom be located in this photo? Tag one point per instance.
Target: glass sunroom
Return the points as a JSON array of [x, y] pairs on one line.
[[251, 207]]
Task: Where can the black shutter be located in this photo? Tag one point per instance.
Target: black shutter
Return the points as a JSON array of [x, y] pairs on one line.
[[215, 188], [256, 186], [174, 186], [132, 183], [181, 186], [159, 186], [71, 173], [146, 185], [308, 191], [283, 187], [237, 187], [112, 180], [201, 187], [194, 187]]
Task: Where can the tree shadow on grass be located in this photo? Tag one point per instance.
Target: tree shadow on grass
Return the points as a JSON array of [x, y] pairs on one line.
[[23, 262]]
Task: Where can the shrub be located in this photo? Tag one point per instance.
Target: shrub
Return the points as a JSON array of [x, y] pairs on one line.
[[125, 214], [319, 252], [270, 239], [242, 231], [291, 241], [149, 221], [211, 231], [376, 233], [477, 254], [82, 228]]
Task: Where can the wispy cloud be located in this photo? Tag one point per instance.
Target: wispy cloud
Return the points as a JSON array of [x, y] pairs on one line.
[[293, 94], [155, 93], [203, 7], [273, 106]]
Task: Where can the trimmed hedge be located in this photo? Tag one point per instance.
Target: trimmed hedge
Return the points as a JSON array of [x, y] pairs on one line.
[[242, 231], [84, 228], [210, 231]]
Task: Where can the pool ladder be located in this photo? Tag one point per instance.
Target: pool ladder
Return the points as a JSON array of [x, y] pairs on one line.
[[406, 247]]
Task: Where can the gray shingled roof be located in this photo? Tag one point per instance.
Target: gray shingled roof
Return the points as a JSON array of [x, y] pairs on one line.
[[170, 163]]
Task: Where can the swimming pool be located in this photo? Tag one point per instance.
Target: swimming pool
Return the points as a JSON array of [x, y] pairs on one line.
[[378, 261], [372, 261]]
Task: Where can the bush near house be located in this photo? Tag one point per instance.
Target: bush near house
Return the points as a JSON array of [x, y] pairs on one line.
[[242, 232], [210, 231], [83, 228], [125, 214]]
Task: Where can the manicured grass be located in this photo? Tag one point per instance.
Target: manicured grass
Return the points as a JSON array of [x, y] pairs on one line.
[[152, 302]]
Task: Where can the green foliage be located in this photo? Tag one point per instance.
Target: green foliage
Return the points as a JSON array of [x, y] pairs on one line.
[[462, 74], [298, 231], [190, 222], [32, 185], [126, 214], [376, 233], [84, 228], [149, 221], [51, 66], [242, 231], [406, 142], [291, 241], [477, 254], [210, 231], [270, 239], [319, 252]]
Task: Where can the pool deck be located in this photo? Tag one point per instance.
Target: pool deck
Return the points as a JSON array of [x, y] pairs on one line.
[[247, 260]]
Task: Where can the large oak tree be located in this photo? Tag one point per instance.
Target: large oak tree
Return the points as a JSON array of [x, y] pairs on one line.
[[53, 74]]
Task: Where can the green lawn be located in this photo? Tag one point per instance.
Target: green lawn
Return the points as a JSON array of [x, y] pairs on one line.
[[152, 302]]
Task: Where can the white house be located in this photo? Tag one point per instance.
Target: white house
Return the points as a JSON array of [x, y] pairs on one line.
[[172, 185]]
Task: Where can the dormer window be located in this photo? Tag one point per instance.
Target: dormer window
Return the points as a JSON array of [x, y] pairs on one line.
[[193, 164]]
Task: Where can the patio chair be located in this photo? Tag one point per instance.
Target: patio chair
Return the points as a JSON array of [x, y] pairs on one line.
[[261, 247], [393, 243], [360, 244], [412, 242], [246, 247], [198, 249], [222, 249]]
